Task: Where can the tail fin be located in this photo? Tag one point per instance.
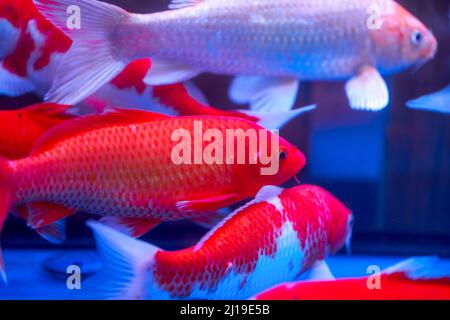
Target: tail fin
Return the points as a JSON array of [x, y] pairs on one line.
[[276, 120], [125, 262], [421, 268], [434, 102], [91, 62], [6, 203]]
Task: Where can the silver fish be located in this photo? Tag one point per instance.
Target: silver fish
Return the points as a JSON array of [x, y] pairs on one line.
[[268, 44]]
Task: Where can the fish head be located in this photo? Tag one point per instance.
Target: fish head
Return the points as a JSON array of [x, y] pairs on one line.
[[10, 25], [341, 226], [402, 41], [274, 164]]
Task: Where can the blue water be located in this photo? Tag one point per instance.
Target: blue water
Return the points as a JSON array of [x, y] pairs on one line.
[[28, 279]]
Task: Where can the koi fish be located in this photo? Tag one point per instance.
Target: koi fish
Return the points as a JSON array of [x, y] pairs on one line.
[[125, 165], [268, 45], [413, 279], [19, 131], [287, 232], [435, 102], [32, 49]]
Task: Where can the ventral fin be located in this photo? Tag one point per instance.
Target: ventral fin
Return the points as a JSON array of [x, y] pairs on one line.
[[210, 204], [367, 91], [12, 85], [42, 214], [265, 93], [88, 123], [165, 72], [179, 4], [134, 227]]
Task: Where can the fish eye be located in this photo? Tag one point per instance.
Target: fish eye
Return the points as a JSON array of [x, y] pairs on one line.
[[417, 37], [283, 155]]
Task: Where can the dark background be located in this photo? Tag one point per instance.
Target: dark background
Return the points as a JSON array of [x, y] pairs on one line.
[[392, 168]]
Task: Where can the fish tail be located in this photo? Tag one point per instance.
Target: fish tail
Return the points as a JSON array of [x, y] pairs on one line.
[[92, 60], [126, 261], [434, 102], [276, 120], [7, 199]]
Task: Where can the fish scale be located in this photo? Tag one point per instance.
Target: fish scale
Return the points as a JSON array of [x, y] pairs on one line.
[[262, 37]]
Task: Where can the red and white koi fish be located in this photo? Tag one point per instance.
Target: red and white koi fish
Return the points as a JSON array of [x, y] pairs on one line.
[[32, 49], [413, 279], [269, 45], [121, 165], [276, 237]]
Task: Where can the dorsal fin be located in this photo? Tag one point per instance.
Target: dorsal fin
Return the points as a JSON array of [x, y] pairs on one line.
[[180, 4], [72, 128]]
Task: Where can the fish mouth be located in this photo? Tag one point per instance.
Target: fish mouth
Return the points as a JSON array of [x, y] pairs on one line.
[[432, 49]]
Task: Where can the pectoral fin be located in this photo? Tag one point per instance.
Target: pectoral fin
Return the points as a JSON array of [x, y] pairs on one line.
[[210, 204], [134, 227], [265, 93], [367, 90]]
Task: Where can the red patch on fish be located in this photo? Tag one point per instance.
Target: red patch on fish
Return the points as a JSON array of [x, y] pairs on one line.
[[56, 42], [22, 14], [9, 12], [17, 61], [133, 76]]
